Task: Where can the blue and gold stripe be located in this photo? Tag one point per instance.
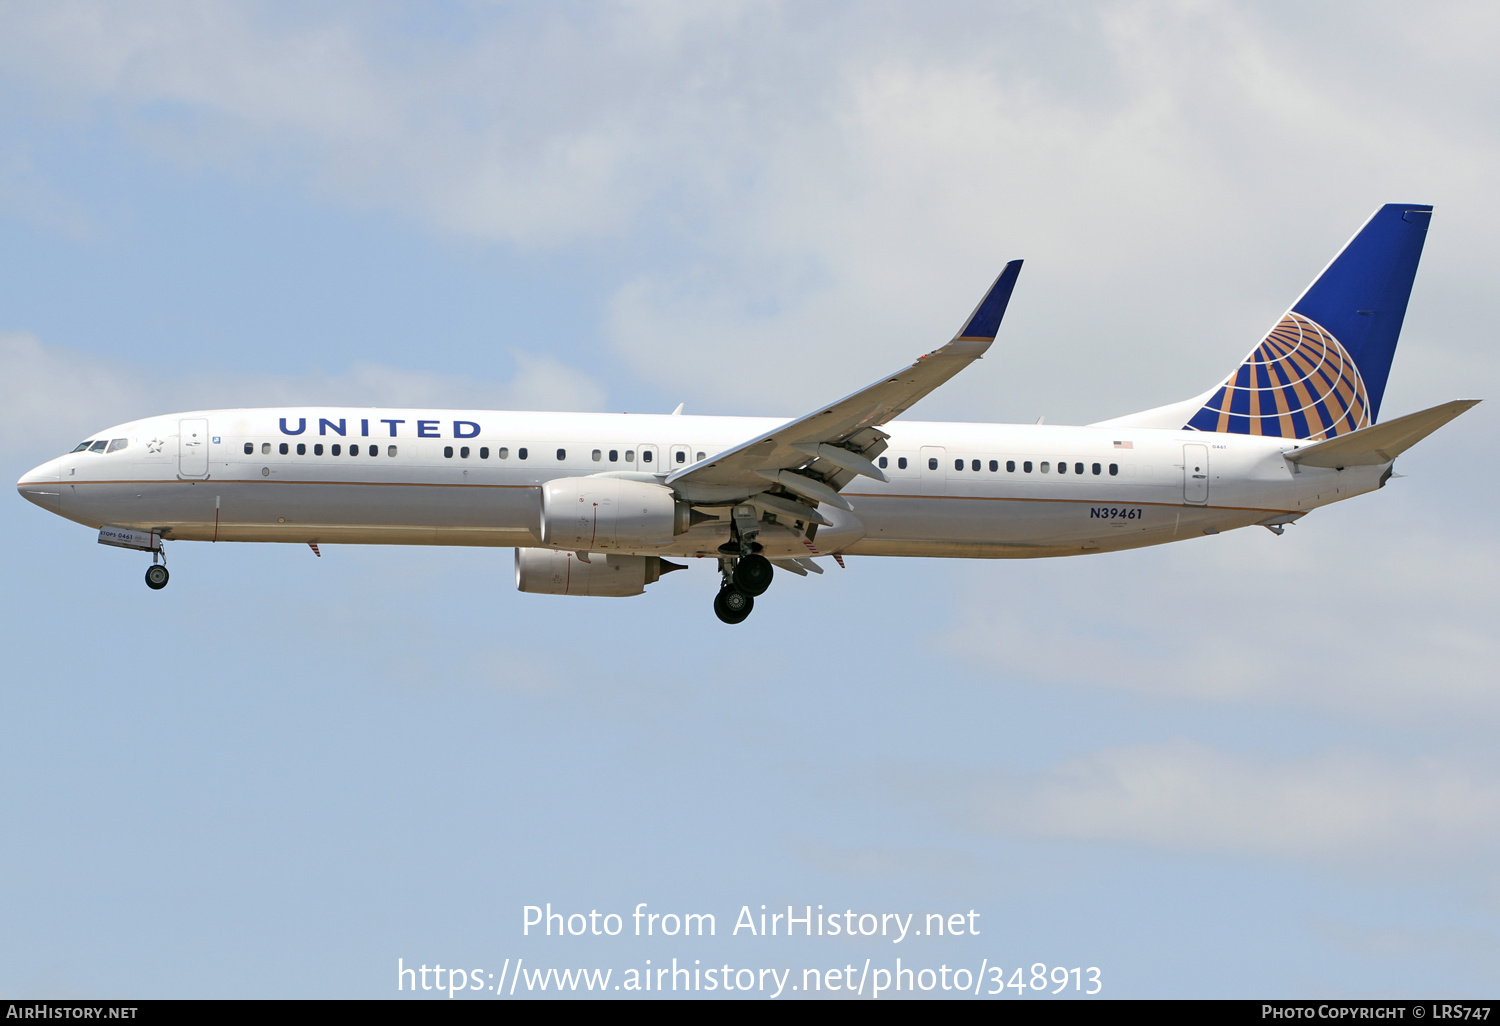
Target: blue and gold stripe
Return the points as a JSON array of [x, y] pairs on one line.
[[1299, 383]]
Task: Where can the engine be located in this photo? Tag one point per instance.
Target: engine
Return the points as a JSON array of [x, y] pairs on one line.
[[550, 572], [599, 514]]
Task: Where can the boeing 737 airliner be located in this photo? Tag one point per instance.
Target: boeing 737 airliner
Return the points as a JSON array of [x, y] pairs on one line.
[[594, 504]]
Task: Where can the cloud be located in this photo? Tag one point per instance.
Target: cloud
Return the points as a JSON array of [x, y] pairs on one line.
[[1386, 617], [50, 396], [1338, 806], [877, 861], [813, 194]]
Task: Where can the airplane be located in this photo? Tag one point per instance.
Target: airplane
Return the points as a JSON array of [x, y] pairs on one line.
[[600, 504]]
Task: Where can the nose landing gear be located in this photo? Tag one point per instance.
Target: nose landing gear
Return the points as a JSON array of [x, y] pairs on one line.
[[156, 573]]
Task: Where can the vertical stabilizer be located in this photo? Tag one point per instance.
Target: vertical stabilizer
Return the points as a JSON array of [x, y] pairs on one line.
[[1322, 369]]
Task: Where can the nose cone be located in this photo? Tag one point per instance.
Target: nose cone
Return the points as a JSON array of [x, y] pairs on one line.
[[42, 485]]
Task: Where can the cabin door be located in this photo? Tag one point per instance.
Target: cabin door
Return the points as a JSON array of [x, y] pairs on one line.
[[192, 448], [1195, 474]]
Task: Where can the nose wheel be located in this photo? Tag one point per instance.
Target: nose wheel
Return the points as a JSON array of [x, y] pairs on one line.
[[156, 577]]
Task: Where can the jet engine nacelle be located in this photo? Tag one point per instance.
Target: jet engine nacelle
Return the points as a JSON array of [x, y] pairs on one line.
[[601, 514], [550, 572]]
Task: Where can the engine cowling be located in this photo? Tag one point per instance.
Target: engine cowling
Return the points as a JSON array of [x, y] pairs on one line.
[[601, 514], [550, 572]]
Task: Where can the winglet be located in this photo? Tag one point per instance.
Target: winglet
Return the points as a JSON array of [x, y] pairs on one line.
[[984, 322]]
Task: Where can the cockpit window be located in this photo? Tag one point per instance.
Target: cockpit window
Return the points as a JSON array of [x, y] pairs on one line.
[[116, 444], [98, 446], [83, 445]]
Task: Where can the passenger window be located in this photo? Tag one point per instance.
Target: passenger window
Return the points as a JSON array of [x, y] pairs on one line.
[[700, 457], [502, 453], [1062, 468], [562, 454], [1078, 468], [249, 448], [1114, 470], [283, 448], [932, 463], [994, 466], [883, 463], [116, 444], [598, 455], [83, 445], [1046, 466], [463, 452], [1026, 466], [614, 455], [447, 452], [681, 455], [318, 449], [521, 453], [391, 451], [301, 448], [484, 452], [958, 464], [901, 462], [265, 448], [334, 448], [645, 455], [974, 465], [1097, 468], [629, 455]]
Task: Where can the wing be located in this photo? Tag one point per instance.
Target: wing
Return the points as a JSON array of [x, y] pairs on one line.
[[816, 455]]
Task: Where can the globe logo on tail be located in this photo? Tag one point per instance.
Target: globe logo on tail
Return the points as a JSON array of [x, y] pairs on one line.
[[1299, 383]]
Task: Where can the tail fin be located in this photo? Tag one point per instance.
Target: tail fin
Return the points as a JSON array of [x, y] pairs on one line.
[[1322, 370]]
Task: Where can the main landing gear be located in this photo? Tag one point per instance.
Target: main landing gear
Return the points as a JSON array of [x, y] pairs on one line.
[[732, 605], [745, 571]]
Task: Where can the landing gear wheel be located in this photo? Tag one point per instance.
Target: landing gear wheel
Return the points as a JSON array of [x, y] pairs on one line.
[[753, 575], [156, 577], [732, 605]]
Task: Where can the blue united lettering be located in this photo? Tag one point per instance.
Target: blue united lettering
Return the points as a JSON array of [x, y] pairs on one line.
[[425, 428]]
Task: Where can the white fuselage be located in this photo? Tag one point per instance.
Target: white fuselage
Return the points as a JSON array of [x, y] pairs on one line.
[[446, 477]]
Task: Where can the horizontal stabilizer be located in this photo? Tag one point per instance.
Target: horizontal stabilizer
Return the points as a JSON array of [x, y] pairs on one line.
[[1382, 443]]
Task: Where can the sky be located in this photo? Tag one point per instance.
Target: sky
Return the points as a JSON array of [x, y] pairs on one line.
[[1240, 766]]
